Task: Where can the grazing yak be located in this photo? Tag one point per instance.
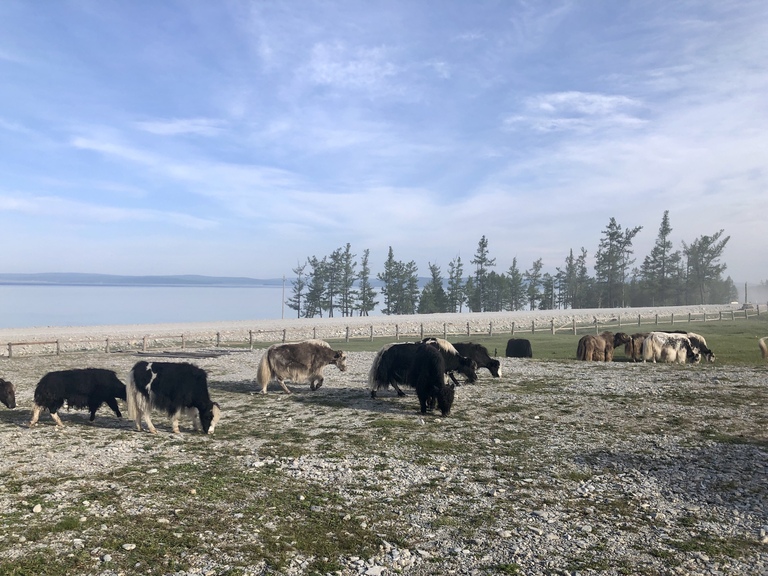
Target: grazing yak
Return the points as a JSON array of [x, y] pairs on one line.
[[519, 348], [298, 362], [698, 343], [79, 388], [175, 388], [634, 348], [7, 394], [479, 354], [600, 348], [427, 375], [392, 362], [670, 347], [763, 346]]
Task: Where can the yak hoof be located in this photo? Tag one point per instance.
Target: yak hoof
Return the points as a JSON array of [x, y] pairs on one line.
[[373, 393]]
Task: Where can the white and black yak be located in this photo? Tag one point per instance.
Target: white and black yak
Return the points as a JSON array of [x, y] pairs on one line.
[[298, 362], [670, 347], [480, 355], [427, 375], [519, 348], [698, 343], [7, 393], [392, 362], [174, 388], [79, 388]]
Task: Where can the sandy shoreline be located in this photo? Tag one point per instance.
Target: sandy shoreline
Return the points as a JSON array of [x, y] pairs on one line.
[[265, 329]]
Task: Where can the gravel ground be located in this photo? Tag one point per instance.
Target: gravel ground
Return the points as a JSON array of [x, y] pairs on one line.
[[555, 468]]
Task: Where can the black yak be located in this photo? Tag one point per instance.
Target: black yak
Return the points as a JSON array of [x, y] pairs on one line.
[[519, 348], [298, 362], [479, 354], [7, 393], [427, 375], [392, 362], [173, 387], [79, 388]]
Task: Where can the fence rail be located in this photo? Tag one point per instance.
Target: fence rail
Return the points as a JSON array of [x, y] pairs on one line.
[[393, 330]]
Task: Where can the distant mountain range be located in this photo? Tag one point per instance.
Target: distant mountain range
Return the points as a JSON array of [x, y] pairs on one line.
[[78, 279]]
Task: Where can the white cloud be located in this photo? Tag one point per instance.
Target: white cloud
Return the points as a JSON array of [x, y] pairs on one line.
[[181, 126]]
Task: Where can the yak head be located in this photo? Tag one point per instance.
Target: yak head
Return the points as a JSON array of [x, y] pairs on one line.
[[340, 360], [445, 399], [210, 417], [7, 393]]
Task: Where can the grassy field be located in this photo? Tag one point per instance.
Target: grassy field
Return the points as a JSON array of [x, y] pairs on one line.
[[733, 341]]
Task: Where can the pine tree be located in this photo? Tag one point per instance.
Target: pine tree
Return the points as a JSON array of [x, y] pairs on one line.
[[366, 294], [455, 285], [658, 269], [703, 266], [516, 287], [299, 286], [532, 278], [612, 261], [433, 298], [482, 262]]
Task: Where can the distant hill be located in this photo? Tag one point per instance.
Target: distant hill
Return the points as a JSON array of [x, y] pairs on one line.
[[78, 279]]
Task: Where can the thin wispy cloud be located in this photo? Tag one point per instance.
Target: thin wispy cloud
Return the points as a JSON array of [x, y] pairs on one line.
[[267, 132]]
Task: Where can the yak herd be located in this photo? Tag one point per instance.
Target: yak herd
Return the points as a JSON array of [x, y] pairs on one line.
[[429, 366]]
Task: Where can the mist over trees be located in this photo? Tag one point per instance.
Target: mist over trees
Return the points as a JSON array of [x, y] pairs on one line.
[[693, 274]]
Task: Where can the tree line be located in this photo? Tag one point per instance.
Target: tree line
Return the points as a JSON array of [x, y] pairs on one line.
[[339, 284]]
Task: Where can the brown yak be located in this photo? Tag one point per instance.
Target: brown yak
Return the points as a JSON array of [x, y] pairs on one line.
[[600, 348]]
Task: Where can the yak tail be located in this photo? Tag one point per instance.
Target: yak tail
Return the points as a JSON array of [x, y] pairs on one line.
[[130, 397], [373, 382], [264, 372], [580, 353], [763, 346]]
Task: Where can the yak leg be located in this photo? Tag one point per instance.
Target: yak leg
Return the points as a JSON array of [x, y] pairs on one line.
[[316, 382], [147, 420], [452, 377], [56, 419], [112, 403], [175, 421], [35, 415], [396, 387], [282, 383]]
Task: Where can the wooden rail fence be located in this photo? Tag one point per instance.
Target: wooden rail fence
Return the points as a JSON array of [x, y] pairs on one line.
[[408, 331]]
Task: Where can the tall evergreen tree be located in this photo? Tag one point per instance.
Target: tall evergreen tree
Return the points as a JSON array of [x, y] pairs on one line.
[[366, 294], [516, 287], [314, 303], [455, 285], [658, 269], [482, 263], [433, 296], [299, 286], [532, 278], [612, 261], [346, 280], [703, 266]]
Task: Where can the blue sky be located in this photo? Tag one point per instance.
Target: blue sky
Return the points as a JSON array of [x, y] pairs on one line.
[[237, 138]]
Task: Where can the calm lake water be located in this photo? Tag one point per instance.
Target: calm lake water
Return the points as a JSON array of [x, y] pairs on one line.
[[31, 306]]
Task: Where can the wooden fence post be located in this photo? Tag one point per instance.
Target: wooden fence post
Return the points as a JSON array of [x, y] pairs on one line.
[[533, 326], [106, 347], [250, 340], [513, 328], [421, 331], [573, 324], [218, 339], [490, 329], [144, 344], [733, 317], [467, 328], [346, 339], [657, 319], [58, 349], [672, 318], [397, 332], [597, 326], [284, 334], [371, 332], [445, 331], [619, 320], [689, 317], [553, 326], [10, 350], [638, 319]]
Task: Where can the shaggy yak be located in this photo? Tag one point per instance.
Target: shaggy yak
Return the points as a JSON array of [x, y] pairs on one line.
[[670, 347], [634, 348], [698, 343], [392, 362], [600, 348], [763, 346], [427, 375], [79, 388], [519, 348], [7, 394], [479, 354], [175, 388], [298, 362]]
